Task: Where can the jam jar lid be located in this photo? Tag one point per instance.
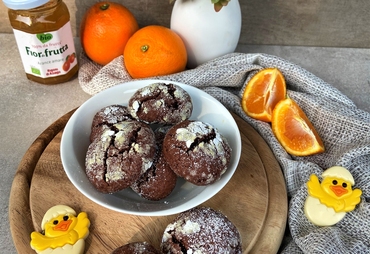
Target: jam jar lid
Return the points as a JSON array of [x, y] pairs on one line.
[[24, 4]]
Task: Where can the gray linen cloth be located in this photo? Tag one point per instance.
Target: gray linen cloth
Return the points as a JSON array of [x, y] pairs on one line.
[[344, 128]]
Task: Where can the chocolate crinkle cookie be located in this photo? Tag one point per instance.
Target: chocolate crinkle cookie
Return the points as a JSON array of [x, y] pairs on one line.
[[201, 230], [136, 248], [159, 180], [196, 151], [108, 116], [118, 157], [161, 103]]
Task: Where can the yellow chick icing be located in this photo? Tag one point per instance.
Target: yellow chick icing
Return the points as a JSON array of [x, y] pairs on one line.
[[330, 200], [63, 232]]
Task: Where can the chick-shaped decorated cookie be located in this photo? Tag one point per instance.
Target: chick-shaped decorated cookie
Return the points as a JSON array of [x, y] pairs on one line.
[[63, 232], [329, 201]]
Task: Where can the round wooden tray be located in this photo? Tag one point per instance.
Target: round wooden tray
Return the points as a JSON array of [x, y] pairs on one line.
[[255, 199]]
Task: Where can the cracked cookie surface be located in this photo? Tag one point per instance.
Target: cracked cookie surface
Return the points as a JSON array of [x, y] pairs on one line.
[[159, 180], [136, 248], [201, 230], [161, 103], [197, 152], [117, 158], [106, 117]]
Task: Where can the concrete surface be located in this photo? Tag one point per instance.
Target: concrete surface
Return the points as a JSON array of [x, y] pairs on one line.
[[337, 23], [27, 108]]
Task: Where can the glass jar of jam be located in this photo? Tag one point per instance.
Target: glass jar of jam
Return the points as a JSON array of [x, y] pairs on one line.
[[44, 37]]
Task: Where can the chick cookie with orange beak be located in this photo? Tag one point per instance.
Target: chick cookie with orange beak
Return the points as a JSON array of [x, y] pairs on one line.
[[63, 232], [329, 201]]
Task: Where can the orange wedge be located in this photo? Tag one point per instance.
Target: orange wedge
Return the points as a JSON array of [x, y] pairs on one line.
[[264, 90], [294, 130]]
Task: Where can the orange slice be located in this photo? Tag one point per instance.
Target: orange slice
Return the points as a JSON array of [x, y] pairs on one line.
[[265, 89], [294, 130]]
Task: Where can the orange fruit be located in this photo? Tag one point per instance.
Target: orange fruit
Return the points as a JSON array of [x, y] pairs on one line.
[[154, 51], [294, 130], [105, 30], [263, 91]]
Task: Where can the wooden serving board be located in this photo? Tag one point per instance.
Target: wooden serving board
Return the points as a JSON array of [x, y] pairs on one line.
[[255, 198]]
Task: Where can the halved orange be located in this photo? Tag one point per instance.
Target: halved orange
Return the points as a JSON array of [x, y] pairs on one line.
[[294, 130], [263, 91]]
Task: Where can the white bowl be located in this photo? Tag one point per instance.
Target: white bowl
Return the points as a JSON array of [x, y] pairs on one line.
[[75, 141]]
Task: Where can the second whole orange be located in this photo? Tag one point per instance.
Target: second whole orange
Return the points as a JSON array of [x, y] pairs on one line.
[[105, 30], [154, 51]]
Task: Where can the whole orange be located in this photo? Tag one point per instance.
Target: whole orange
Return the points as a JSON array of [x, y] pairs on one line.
[[105, 30], [154, 51]]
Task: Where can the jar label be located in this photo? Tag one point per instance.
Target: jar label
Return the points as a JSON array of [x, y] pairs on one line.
[[48, 54]]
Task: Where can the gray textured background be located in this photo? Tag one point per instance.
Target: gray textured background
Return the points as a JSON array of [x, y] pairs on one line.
[[329, 23], [329, 38]]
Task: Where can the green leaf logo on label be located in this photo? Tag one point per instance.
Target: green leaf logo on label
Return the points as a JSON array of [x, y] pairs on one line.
[[44, 37]]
